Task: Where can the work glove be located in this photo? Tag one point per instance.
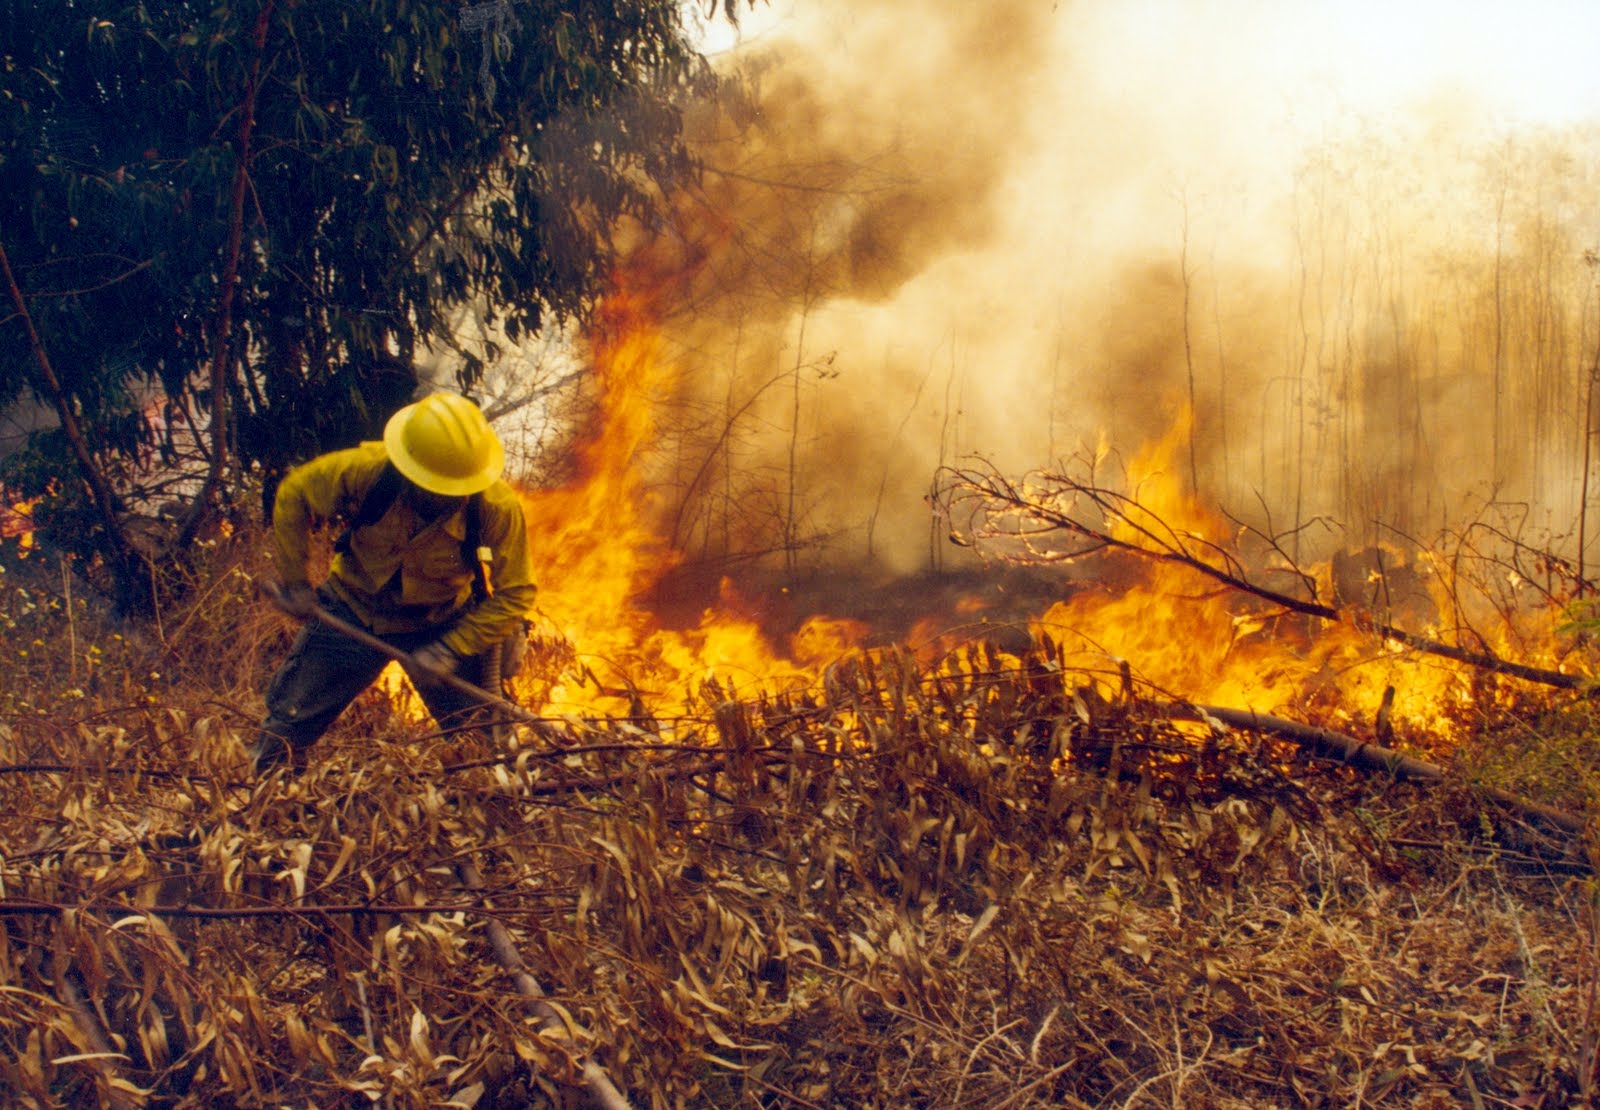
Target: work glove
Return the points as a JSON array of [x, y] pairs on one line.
[[436, 657]]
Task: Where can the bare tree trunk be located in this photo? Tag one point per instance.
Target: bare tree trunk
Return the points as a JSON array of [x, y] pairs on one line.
[[1498, 385], [1188, 353], [1222, 380], [223, 328], [791, 530], [92, 475], [1593, 261]]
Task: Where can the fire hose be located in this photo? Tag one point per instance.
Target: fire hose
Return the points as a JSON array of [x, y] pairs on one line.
[[509, 709]]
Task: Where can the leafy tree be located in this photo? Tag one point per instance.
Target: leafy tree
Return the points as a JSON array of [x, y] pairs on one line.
[[227, 228]]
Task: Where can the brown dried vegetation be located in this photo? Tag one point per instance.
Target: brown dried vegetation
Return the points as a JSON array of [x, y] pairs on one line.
[[994, 882]]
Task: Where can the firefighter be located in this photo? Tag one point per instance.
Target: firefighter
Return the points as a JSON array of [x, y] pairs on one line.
[[434, 562]]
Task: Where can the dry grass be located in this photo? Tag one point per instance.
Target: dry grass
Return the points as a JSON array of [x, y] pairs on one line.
[[986, 885]]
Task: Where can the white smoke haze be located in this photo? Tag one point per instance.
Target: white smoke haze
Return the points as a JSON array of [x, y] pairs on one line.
[[1353, 235]]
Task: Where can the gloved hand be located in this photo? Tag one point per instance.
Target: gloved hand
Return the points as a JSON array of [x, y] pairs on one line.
[[436, 657], [298, 600]]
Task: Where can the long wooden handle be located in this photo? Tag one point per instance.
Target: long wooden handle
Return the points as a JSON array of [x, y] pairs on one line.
[[366, 639]]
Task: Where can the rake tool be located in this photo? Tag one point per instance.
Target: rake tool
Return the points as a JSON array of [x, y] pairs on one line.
[[511, 710]]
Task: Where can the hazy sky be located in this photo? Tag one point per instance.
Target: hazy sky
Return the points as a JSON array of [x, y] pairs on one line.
[[1301, 60]]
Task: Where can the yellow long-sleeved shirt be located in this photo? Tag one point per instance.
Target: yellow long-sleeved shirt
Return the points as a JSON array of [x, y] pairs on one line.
[[404, 574]]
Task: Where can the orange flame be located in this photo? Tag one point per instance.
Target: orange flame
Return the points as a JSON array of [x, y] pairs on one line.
[[16, 522], [598, 550], [1197, 639], [599, 553]]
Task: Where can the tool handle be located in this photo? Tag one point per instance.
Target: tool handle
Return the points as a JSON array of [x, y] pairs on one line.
[[274, 593]]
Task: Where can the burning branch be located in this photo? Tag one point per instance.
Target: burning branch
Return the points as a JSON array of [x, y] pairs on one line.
[[1050, 518]]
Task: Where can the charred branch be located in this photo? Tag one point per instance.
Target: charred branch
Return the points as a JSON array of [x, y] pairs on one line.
[[1337, 746], [1050, 518]]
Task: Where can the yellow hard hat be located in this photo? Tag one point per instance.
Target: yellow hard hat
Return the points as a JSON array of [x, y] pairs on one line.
[[444, 444]]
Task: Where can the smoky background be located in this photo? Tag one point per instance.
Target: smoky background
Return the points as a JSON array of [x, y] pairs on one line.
[[1352, 249]]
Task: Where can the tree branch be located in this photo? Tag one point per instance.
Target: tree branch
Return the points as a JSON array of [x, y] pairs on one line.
[[990, 494], [92, 475]]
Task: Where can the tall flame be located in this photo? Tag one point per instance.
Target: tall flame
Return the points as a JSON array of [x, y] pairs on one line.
[[599, 550], [1354, 303], [601, 557]]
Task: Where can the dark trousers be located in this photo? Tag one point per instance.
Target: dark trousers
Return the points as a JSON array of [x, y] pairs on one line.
[[325, 671]]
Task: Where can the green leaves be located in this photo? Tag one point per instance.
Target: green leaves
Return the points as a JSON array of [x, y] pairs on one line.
[[385, 190]]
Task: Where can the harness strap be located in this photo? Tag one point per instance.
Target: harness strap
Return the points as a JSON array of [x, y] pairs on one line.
[[380, 497]]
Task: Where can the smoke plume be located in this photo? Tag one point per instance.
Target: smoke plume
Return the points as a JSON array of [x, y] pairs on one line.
[[1356, 241]]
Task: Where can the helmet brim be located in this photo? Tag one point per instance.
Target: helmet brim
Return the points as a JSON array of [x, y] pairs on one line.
[[430, 480]]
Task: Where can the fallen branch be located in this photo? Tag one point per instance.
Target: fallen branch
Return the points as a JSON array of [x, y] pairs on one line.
[[551, 1022], [27, 907], [191, 777], [1370, 757]]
